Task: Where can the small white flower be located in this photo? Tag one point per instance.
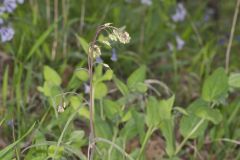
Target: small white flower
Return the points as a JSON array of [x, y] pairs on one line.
[[170, 46], [20, 1], [86, 88], [180, 13], [146, 2], [180, 42]]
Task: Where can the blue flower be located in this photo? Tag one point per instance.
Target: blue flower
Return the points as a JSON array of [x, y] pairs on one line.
[[2, 10], [114, 55], [180, 42], [99, 59], [10, 5], [180, 13], [10, 123], [6, 33], [1, 21]]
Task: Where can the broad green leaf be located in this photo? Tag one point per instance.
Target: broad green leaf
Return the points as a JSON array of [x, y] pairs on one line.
[[83, 111], [82, 74], [141, 87], [49, 89], [138, 117], [165, 108], [167, 128], [75, 101], [188, 123], [111, 108], [51, 75], [121, 86], [213, 115], [107, 75], [152, 116], [137, 76], [100, 90], [83, 43], [215, 86], [234, 80], [102, 128], [77, 135]]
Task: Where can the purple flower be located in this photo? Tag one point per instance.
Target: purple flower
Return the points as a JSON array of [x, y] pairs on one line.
[[180, 42], [10, 5], [180, 13], [114, 55], [99, 60], [6, 33], [10, 123], [1, 21]]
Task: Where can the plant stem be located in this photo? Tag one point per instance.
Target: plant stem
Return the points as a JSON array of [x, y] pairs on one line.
[[188, 136], [91, 147], [231, 36], [148, 134]]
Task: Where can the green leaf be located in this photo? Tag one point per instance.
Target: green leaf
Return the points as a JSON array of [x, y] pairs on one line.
[[165, 108], [75, 101], [77, 135], [51, 151], [215, 86], [83, 43], [137, 76], [111, 108], [121, 86], [152, 116], [100, 90], [181, 110], [167, 128], [141, 87], [234, 80], [40, 40], [108, 75], [102, 128], [187, 123], [51, 75], [213, 115], [82, 74]]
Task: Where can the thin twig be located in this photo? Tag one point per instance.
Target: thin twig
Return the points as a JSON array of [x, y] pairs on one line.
[[231, 36]]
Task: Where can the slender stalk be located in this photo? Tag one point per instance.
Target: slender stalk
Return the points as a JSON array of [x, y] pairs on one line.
[[82, 16], [189, 135], [148, 134], [48, 12], [55, 43], [91, 147], [231, 36]]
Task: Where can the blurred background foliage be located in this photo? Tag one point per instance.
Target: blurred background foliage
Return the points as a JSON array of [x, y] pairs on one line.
[[53, 33]]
